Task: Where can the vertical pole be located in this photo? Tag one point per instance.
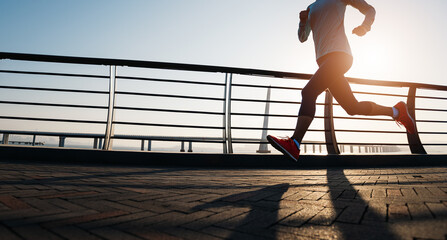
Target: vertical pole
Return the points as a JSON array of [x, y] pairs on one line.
[[95, 143], [110, 115], [182, 148], [413, 139], [62, 141], [149, 145], [34, 140], [6, 138], [230, 139], [263, 147], [190, 147], [331, 141], [142, 144], [225, 148]]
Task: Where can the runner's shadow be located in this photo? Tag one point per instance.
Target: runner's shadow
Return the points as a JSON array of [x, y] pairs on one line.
[[353, 212], [257, 218]]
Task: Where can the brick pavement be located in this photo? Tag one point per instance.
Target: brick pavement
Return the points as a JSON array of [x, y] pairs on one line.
[[57, 201]]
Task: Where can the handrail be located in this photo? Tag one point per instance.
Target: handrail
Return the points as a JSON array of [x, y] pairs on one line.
[[329, 130], [200, 68]]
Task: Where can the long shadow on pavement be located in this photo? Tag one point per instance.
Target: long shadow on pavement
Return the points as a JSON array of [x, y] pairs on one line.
[[349, 211], [254, 219]]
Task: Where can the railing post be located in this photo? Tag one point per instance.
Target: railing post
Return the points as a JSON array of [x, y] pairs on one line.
[[230, 139], [6, 138], [413, 139], [149, 145], [190, 147], [331, 141], [182, 148], [225, 148], [110, 115], [95, 143], [34, 140], [142, 144], [62, 141]]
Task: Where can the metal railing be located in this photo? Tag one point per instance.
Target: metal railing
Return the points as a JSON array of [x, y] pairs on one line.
[[226, 99]]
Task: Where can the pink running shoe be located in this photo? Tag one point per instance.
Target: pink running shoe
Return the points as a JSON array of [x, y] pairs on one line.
[[285, 145], [404, 118]]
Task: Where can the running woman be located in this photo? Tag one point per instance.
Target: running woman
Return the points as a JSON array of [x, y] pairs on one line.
[[325, 19]]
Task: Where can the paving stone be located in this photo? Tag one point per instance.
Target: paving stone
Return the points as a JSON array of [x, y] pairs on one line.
[[419, 211], [35, 232], [147, 233], [299, 218], [398, 213], [352, 214], [62, 201], [112, 234], [5, 233], [438, 209], [71, 232], [13, 203], [85, 218], [326, 216]]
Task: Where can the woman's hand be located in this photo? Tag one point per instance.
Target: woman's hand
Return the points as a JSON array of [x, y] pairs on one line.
[[360, 31], [304, 15]]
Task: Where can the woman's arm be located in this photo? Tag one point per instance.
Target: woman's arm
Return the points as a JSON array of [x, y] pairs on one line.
[[304, 27], [368, 11]]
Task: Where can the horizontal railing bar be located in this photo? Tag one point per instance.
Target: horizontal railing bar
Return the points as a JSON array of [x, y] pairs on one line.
[[367, 131], [53, 104], [55, 74], [54, 90], [166, 125], [259, 141], [369, 119], [168, 96], [273, 129], [266, 101], [435, 144], [431, 110], [80, 135], [380, 94], [396, 84], [149, 64], [263, 115], [53, 120], [263, 86], [263, 101], [319, 117], [434, 133], [168, 80], [199, 68], [167, 110], [436, 98], [431, 121], [169, 139], [373, 144]]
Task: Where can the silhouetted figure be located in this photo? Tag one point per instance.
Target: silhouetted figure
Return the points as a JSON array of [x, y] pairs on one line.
[[325, 19]]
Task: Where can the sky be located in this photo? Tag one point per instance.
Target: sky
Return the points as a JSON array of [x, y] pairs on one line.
[[406, 43]]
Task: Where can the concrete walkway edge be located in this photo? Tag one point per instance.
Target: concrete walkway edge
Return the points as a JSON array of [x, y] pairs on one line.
[[214, 159]]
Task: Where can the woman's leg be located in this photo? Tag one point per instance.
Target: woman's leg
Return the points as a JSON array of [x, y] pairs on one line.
[[329, 68], [342, 92]]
